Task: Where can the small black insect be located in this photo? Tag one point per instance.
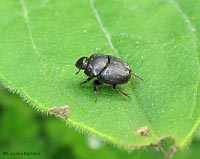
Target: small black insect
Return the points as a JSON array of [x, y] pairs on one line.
[[107, 69]]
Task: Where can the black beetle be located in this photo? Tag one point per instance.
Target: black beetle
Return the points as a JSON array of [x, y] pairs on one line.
[[107, 69]]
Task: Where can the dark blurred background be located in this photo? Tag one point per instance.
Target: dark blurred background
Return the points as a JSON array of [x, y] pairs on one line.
[[23, 129]]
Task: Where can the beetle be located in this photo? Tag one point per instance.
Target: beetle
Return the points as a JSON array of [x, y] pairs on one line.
[[106, 69]]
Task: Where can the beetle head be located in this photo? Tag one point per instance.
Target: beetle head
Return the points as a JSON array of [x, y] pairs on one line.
[[81, 63]]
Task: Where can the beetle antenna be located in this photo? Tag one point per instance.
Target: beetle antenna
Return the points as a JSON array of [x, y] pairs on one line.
[[136, 76], [77, 72]]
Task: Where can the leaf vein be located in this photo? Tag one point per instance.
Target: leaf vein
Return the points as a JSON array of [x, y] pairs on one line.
[[185, 17], [27, 21], [101, 25]]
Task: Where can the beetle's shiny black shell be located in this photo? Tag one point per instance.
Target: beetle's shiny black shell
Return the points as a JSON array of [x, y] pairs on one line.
[[96, 64], [116, 72], [108, 69]]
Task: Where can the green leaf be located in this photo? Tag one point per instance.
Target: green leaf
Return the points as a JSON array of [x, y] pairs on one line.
[[41, 41]]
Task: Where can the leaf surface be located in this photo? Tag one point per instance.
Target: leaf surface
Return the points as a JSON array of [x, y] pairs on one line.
[[40, 42]]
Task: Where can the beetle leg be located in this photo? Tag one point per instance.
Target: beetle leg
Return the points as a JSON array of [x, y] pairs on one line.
[[87, 80], [95, 84], [119, 91], [77, 72], [136, 76]]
